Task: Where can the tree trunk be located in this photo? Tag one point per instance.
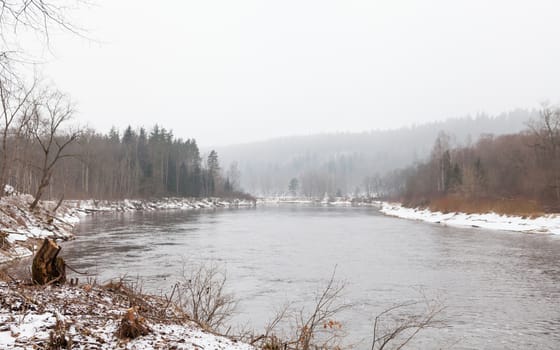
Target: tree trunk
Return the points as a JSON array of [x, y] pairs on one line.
[[47, 267], [40, 190]]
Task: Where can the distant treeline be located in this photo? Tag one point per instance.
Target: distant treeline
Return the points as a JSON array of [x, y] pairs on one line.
[[353, 163], [139, 163], [517, 168]]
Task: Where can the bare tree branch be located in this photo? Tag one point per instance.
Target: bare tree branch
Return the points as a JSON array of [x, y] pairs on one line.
[[399, 331]]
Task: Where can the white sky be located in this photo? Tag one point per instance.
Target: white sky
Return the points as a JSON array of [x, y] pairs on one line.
[[237, 71]]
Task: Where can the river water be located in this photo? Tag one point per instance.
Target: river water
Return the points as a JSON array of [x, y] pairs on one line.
[[501, 290]]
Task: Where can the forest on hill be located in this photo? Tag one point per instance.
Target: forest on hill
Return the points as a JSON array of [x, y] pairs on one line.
[[516, 173], [354, 163]]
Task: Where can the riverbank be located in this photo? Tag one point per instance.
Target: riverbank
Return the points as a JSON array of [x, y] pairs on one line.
[[92, 206], [91, 317], [327, 202], [549, 223], [22, 229]]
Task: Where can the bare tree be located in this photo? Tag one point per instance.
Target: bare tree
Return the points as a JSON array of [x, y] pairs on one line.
[[234, 176], [440, 152], [17, 17], [547, 131], [49, 118], [37, 16], [15, 101]]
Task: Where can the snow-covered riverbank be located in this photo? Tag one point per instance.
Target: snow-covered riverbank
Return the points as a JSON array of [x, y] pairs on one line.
[[21, 229], [126, 205], [492, 221], [327, 202]]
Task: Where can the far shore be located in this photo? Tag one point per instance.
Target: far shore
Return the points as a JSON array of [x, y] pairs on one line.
[[490, 220]]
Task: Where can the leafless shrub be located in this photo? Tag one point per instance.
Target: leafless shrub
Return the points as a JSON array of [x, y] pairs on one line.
[[397, 326], [320, 329], [269, 339], [315, 328], [201, 293]]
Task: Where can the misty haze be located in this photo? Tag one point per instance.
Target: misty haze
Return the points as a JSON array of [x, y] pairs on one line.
[[283, 176]]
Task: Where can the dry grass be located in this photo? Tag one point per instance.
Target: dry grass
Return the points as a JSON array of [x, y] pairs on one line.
[[519, 207]]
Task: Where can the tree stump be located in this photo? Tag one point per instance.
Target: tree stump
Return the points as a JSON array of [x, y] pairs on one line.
[[47, 266]]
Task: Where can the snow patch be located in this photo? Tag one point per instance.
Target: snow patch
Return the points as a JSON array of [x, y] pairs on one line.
[[491, 221], [9, 190], [16, 237], [90, 316]]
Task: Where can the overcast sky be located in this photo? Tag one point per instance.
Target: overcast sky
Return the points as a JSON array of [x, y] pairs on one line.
[[236, 71]]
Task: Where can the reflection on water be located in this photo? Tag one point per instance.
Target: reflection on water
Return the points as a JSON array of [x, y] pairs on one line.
[[501, 289]]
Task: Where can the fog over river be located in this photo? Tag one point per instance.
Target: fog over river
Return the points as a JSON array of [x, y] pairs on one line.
[[501, 289]]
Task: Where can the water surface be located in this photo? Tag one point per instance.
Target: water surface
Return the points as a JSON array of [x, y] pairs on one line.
[[501, 289]]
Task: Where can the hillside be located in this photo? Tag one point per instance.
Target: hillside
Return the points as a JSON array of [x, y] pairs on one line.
[[340, 162]]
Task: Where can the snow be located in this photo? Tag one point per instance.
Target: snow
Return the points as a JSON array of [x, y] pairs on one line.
[[90, 316], [32, 324], [9, 190], [127, 205], [38, 232], [21, 252], [491, 221], [27, 327], [15, 237]]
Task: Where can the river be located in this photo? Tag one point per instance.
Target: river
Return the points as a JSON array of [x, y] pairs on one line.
[[501, 290]]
